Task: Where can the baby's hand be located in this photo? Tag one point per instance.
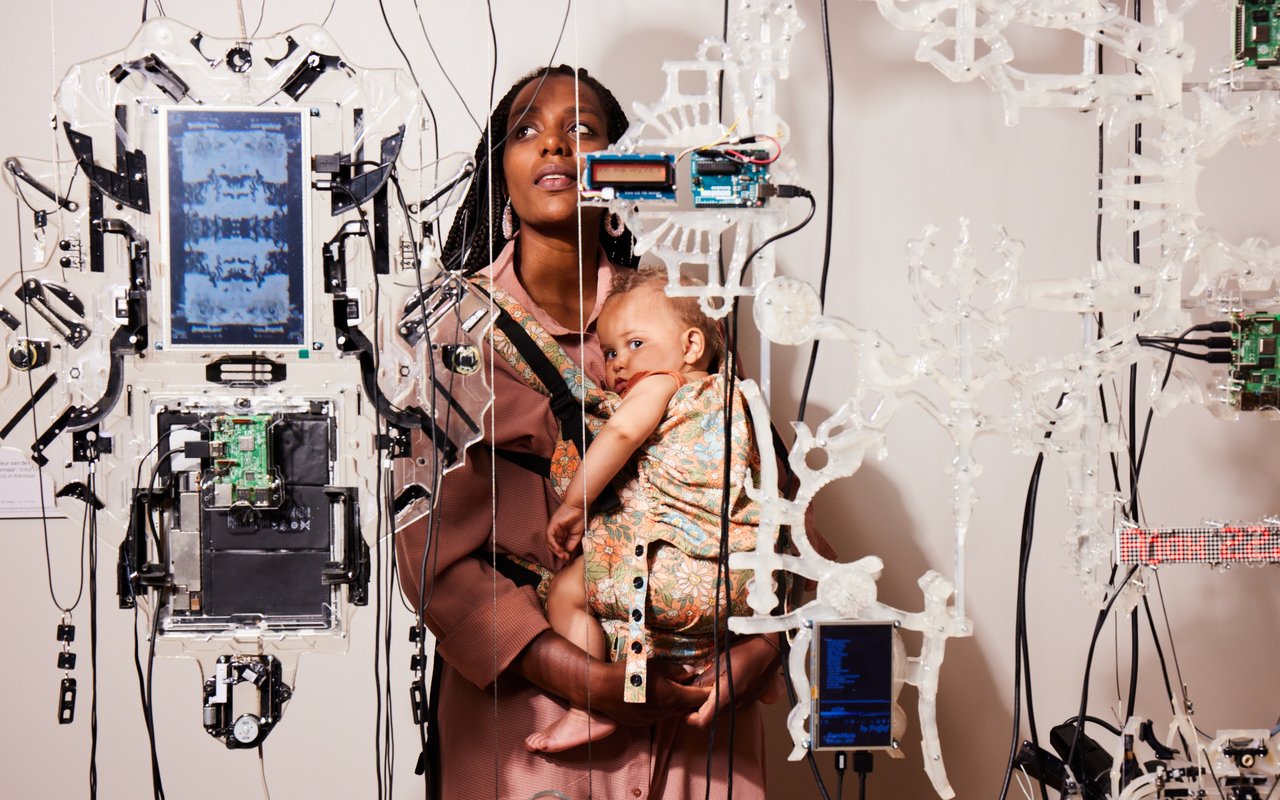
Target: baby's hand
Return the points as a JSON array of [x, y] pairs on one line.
[[564, 532]]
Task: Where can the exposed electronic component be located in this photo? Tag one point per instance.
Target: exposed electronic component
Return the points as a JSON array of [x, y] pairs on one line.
[[734, 181], [631, 177], [1226, 544], [1255, 379], [28, 354], [1257, 39], [246, 729], [242, 472]]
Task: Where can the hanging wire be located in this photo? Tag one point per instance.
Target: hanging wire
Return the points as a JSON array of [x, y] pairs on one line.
[[493, 452], [65, 608]]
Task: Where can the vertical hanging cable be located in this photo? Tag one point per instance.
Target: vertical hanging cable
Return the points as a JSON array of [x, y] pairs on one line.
[[582, 343], [831, 194], [493, 455]]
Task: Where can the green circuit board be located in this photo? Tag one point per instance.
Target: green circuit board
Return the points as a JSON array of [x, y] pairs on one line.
[[240, 449], [720, 181], [1257, 36], [1255, 379]]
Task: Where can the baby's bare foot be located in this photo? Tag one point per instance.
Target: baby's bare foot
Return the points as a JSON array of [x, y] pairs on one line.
[[575, 728]]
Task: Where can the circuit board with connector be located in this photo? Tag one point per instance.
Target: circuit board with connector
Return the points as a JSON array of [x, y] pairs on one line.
[[721, 180], [1255, 379], [240, 449], [1257, 36]]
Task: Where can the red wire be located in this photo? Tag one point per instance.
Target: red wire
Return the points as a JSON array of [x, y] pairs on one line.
[[744, 157]]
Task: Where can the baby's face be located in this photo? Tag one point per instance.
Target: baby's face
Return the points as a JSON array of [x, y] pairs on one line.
[[641, 333]]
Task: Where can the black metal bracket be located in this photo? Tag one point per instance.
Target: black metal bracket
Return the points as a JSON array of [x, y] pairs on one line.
[[32, 293], [353, 570], [245, 372], [155, 70], [134, 574], [128, 187], [88, 444], [360, 187], [291, 46], [15, 168], [80, 491], [351, 340], [309, 71], [129, 339], [334, 256]]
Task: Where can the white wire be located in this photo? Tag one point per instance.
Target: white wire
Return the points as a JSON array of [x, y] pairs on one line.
[[1024, 781], [262, 772]]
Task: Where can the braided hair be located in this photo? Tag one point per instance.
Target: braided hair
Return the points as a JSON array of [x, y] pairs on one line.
[[476, 232]]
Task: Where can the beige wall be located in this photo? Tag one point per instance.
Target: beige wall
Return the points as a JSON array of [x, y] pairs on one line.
[[912, 148]]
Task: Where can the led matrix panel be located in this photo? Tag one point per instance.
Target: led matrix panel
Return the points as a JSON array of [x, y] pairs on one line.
[[236, 228], [1229, 544]]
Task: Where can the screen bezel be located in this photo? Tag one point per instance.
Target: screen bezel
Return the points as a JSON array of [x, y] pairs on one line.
[[822, 629], [168, 273]]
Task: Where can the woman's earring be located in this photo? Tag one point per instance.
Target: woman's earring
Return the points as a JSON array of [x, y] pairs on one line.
[[613, 224], [508, 222]]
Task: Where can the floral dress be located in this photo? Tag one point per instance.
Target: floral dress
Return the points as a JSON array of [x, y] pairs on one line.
[[651, 565]]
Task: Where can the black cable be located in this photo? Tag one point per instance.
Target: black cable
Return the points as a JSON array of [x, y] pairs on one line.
[[723, 582], [91, 484], [1164, 667], [422, 25], [1021, 646], [1133, 664], [144, 693], [1100, 722], [863, 762], [842, 761], [791, 191], [1168, 373], [1088, 662], [831, 190], [723, 586], [383, 746], [435, 128], [151, 663], [1209, 763], [1134, 459]]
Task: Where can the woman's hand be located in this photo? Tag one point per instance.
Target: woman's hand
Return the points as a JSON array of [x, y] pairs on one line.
[[557, 666], [755, 661], [564, 531]]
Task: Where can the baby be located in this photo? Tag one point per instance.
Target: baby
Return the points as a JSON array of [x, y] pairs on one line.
[[656, 556]]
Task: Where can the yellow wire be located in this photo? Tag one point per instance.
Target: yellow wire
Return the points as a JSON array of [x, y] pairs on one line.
[[724, 137]]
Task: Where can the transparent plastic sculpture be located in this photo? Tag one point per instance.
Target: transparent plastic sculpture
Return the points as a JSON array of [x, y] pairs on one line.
[[1188, 272], [205, 302], [752, 61]]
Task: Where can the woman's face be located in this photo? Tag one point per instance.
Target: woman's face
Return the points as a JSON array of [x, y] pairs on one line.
[[541, 154]]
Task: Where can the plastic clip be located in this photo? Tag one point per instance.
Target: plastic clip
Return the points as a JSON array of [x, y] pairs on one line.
[[67, 701], [418, 699]]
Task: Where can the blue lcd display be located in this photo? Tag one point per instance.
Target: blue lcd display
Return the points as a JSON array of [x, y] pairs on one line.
[[853, 682], [236, 228]]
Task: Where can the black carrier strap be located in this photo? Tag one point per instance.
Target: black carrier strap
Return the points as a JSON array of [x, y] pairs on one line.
[[566, 408]]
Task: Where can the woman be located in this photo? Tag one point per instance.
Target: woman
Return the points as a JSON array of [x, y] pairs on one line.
[[505, 671]]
